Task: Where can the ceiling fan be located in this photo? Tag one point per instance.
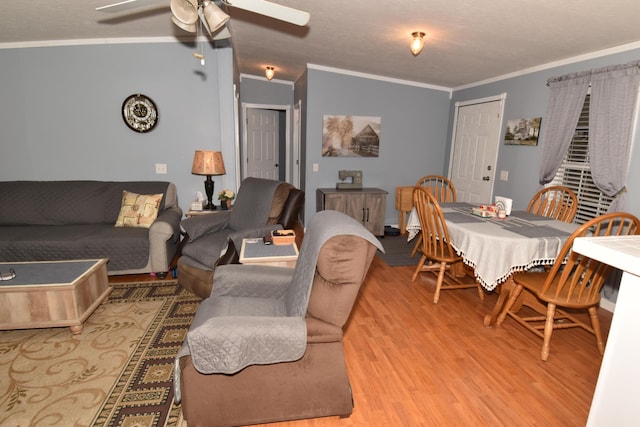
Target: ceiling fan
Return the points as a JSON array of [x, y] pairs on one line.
[[185, 13]]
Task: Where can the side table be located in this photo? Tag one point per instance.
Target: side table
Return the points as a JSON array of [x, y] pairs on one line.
[[191, 213], [255, 252]]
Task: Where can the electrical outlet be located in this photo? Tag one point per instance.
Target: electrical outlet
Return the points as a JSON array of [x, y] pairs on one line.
[[161, 168], [504, 175]]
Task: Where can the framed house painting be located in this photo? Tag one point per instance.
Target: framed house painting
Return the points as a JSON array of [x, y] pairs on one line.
[[350, 136], [522, 131]]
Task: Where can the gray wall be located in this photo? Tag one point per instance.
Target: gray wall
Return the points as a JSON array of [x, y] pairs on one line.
[[60, 113], [256, 90], [527, 97], [60, 119], [277, 93], [413, 132]]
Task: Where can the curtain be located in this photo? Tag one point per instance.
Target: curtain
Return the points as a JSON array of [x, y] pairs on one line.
[[614, 93], [565, 104]]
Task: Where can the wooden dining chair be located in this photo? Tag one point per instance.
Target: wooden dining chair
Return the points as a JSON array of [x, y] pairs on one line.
[[575, 284], [437, 253], [442, 189], [557, 202]]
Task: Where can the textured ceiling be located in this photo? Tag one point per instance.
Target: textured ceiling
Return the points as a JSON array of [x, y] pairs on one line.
[[467, 40]]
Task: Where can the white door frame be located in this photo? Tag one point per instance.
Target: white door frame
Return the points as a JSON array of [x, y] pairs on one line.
[[297, 128], [287, 110], [236, 142], [460, 104]]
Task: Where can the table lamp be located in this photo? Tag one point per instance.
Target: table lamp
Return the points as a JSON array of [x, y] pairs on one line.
[[208, 163]]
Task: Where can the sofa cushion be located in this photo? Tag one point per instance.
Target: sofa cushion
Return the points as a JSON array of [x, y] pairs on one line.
[[126, 248], [68, 202], [208, 247], [290, 212], [253, 204], [279, 200], [138, 210], [338, 278]]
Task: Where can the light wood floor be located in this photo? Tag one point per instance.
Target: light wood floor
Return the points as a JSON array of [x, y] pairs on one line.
[[415, 363]]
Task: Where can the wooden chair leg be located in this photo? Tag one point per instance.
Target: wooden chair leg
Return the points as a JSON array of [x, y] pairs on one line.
[[595, 324], [513, 296], [418, 243], [423, 259], [480, 291], [436, 296], [548, 330]]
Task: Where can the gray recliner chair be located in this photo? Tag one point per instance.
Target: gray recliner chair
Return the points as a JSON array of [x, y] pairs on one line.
[[262, 205], [267, 344]]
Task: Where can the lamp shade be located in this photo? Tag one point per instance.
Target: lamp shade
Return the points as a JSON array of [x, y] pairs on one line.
[[215, 17], [185, 11], [191, 28], [208, 163]]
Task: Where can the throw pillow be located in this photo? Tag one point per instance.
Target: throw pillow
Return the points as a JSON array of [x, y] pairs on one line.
[[138, 210]]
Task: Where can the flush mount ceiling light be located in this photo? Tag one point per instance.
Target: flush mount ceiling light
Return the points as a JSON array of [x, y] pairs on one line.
[[417, 42], [269, 72]]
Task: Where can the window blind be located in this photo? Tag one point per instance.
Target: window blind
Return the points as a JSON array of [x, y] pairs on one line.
[[575, 172]]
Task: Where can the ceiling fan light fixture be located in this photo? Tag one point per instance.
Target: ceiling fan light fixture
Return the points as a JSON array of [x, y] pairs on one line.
[[417, 42], [185, 11], [190, 28], [269, 71], [214, 16]]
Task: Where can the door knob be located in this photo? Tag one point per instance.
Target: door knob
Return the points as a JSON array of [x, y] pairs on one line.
[[277, 165], [486, 178]]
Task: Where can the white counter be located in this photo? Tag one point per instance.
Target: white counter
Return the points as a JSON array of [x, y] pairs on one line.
[[616, 401]]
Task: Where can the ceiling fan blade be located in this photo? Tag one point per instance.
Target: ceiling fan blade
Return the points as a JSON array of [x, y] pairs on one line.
[[124, 5], [277, 11]]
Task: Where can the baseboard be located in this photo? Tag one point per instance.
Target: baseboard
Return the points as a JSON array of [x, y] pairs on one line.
[[607, 305]]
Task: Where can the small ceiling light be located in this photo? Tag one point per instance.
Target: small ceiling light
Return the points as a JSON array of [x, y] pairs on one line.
[[269, 72], [417, 42]]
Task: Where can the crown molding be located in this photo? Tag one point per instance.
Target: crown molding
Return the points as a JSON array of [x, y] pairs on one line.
[[376, 77], [101, 41], [262, 78], [567, 61]]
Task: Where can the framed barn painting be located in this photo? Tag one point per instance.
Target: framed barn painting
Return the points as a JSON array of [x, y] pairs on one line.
[[522, 131], [350, 136]]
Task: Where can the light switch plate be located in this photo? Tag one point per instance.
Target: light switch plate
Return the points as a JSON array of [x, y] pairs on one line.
[[504, 175]]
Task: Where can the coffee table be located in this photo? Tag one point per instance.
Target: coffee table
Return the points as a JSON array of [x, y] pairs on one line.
[[47, 294]]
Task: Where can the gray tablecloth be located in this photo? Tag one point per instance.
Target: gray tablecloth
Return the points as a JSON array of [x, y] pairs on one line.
[[496, 248]]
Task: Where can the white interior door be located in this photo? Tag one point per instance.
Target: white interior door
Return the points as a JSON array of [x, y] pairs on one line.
[[475, 144], [262, 143]]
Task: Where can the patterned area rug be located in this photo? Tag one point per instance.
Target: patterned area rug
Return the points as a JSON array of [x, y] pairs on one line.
[[117, 372]]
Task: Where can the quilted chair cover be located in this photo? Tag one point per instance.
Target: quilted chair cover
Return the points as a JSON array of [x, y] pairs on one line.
[[261, 206], [260, 320]]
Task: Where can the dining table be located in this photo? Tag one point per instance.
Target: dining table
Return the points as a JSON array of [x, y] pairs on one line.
[[496, 248]]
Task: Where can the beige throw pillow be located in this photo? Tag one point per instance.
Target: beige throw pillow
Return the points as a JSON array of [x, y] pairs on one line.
[[138, 210]]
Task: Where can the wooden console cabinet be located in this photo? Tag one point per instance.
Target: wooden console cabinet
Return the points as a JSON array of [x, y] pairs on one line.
[[366, 205]]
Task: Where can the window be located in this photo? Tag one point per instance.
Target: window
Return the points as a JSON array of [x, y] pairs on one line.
[[575, 172]]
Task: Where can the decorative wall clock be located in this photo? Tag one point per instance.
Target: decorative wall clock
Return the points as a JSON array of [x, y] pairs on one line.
[[140, 113]]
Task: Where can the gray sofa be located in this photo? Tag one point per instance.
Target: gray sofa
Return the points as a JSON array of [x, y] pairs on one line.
[[61, 220]]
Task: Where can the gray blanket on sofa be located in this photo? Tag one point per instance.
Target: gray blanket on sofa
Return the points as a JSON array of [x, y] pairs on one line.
[[255, 314]]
